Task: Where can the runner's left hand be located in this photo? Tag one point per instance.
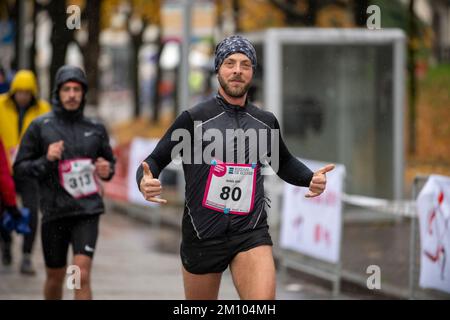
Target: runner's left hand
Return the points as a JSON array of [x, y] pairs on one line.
[[319, 181], [102, 167]]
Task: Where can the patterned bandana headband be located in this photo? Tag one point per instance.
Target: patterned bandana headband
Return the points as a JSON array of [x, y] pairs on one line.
[[231, 45]]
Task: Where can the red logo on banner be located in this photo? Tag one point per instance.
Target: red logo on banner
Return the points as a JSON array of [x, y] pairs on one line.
[[439, 231]]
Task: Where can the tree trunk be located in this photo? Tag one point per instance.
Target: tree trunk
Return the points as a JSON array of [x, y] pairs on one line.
[[219, 18], [293, 17], [156, 99], [236, 15], [310, 19], [290, 16], [60, 38], [15, 17], [135, 74], [92, 52], [412, 79], [136, 43], [436, 25], [32, 52], [360, 12]]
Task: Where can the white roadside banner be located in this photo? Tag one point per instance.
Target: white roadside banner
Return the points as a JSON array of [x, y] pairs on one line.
[[312, 226], [139, 150], [433, 207]]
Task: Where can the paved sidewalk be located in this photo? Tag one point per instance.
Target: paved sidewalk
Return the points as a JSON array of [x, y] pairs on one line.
[[134, 261]]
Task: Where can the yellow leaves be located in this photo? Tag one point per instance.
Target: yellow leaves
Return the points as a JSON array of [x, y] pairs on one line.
[[259, 14], [333, 16], [149, 11], [302, 6], [107, 10], [414, 43], [79, 3], [254, 15]]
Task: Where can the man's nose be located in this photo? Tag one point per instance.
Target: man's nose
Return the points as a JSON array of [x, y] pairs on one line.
[[237, 68]]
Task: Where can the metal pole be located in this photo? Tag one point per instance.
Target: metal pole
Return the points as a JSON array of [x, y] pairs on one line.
[[183, 85], [338, 265], [412, 241], [398, 101]]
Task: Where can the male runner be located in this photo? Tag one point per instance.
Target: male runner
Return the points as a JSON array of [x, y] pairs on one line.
[[225, 220], [67, 152]]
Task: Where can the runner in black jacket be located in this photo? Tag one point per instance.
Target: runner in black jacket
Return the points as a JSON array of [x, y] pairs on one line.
[[67, 153], [224, 221]]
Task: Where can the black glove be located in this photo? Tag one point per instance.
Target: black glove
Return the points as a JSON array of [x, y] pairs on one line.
[[15, 212]]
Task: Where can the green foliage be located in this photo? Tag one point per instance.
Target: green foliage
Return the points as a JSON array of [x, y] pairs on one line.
[[438, 77], [394, 14]]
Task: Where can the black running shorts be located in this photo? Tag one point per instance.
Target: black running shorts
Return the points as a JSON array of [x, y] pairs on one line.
[[214, 255], [81, 232]]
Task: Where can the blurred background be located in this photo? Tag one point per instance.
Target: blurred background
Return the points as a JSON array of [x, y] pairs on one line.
[[366, 88], [133, 52]]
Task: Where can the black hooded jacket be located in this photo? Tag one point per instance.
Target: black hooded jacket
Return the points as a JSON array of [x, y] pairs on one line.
[[83, 138]]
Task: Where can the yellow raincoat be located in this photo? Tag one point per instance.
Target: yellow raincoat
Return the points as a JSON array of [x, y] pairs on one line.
[[9, 116]]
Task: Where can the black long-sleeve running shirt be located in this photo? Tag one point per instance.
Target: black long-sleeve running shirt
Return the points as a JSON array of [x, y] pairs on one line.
[[218, 118]]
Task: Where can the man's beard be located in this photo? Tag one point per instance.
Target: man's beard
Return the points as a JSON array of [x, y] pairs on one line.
[[236, 92], [74, 105]]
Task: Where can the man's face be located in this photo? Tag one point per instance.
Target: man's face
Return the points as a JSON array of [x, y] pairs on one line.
[[71, 95], [235, 75], [23, 97]]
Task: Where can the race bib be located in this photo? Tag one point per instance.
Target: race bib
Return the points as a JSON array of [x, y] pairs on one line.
[[230, 187], [77, 177]]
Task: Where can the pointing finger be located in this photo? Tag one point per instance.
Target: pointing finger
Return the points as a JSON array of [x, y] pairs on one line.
[[311, 194], [157, 200], [326, 169]]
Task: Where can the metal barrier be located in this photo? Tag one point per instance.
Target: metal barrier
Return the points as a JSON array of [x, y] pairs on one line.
[[315, 267], [383, 220], [374, 232]]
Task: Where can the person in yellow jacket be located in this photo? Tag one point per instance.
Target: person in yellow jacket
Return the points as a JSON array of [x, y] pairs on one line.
[[18, 108]]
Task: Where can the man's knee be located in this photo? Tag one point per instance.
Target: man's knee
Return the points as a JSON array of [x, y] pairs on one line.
[[56, 275], [85, 276], [84, 266]]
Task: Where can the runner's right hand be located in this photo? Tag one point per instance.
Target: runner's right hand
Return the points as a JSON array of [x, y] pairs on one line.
[[150, 187], [55, 150]]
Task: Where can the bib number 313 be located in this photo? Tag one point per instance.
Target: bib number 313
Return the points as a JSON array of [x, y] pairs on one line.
[[230, 188], [77, 177]]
